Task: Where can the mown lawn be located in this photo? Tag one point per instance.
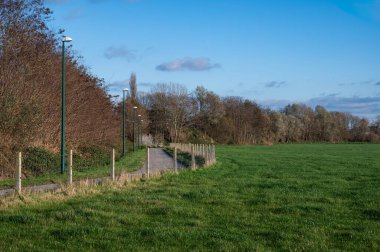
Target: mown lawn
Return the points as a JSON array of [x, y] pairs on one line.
[[314, 197]]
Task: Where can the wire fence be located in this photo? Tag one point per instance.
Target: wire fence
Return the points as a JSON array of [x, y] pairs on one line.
[[195, 155], [46, 175], [44, 169]]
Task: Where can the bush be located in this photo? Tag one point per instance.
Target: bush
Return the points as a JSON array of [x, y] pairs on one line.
[[38, 161], [90, 156]]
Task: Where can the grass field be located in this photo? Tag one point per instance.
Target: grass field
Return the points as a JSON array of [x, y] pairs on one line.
[[314, 197]]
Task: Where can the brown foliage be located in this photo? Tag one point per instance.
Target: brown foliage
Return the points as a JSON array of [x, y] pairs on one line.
[[30, 88]]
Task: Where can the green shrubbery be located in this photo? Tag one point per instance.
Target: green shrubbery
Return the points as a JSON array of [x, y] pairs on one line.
[[38, 161], [86, 157]]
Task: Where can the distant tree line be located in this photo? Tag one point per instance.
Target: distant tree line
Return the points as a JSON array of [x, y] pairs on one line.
[[30, 102], [177, 115]]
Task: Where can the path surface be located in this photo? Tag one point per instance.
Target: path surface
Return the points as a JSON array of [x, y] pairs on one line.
[[158, 160]]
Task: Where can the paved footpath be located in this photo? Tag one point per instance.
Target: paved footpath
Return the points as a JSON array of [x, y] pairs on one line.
[[158, 160]]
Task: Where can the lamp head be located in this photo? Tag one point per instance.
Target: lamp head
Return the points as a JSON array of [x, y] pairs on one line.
[[125, 89], [139, 115], [66, 39], [135, 107]]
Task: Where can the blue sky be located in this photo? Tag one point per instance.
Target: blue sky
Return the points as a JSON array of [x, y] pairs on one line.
[[275, 52]]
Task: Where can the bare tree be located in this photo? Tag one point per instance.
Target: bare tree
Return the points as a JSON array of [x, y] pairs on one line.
[[133, 86], [169, 110]]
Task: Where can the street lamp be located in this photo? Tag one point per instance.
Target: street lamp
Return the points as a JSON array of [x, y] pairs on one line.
[[63, 133], [134, 128], [138, 132], [141, 133], [124, 123]]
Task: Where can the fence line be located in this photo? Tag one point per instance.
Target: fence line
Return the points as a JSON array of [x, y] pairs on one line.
[[200, 150], [206, 151]]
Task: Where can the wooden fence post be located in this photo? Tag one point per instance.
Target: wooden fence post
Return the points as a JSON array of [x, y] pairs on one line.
[[113, 165], [205, 155], [213, 155], [70, 168], [192, 158], [147, 162], [175, 159], [18, 172]]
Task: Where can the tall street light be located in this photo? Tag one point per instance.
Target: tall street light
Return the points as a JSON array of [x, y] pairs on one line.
[[124, 123], [134, 128], [141, 133], [63, 129], [138, 131]]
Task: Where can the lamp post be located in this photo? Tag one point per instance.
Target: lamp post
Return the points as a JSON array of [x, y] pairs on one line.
[[141, 128], [138, 131], [134, 128], [124, 123], [63, 122]]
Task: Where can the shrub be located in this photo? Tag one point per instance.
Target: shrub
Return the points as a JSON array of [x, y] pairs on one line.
[[38, 161], [90, 156]]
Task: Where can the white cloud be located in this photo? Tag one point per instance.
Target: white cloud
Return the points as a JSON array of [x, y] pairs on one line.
[[190, 64], [275, 84], [119, 52]]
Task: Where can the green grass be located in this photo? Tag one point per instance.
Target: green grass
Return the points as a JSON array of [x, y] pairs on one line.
[[314, 197], [134, 161]]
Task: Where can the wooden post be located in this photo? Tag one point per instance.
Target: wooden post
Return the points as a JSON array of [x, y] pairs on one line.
[[213, 155], [147, 162], [206, 155], [113, 165], [70, 168], [18, 172], [175, 159], [192, 158]]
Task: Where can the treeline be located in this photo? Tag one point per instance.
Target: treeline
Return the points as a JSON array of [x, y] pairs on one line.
[[177, 115], [30, 88]]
